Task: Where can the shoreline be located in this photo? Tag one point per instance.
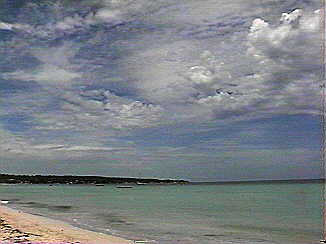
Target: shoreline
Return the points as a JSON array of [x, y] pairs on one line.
[[17, 226]]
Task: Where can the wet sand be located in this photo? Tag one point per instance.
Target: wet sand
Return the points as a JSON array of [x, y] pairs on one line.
[[19, 227]]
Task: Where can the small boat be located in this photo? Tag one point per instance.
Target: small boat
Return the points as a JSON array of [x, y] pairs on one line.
[[4, 202], [140, 183], [99, 184], [124, 186]]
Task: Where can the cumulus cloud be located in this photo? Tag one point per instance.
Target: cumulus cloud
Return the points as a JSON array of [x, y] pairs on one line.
[[19, 27], [66, 24], [278, 73], [46, 74], [117, 112], [55, 67], [74, 23], [281, 75], [289, 57], [10, 142], [171, 64], [5, 26], [99, 110], [294, 42], [19, 145], [76, 148], [90, 148]]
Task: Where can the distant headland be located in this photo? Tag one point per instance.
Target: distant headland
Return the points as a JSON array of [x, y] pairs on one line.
[[74, 179]]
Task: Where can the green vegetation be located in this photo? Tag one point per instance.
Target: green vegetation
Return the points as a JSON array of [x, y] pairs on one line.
[[72, 179]]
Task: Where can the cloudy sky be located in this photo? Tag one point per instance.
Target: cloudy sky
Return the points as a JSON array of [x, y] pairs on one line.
[[200, 90]]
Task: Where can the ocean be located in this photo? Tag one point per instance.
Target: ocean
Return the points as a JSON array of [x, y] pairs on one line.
[[283, 213]]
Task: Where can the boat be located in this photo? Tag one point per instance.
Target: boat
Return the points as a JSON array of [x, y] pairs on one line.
[[99, 184], [124, 186]]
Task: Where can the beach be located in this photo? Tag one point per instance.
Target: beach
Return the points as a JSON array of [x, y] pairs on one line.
[[19, 227]]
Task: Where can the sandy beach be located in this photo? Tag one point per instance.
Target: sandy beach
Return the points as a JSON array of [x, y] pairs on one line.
[[19, 227]]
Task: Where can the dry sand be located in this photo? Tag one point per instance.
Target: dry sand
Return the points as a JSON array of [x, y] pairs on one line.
[[19, 227]]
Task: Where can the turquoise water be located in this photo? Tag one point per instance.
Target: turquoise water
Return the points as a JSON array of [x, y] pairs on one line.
[[182, 214]]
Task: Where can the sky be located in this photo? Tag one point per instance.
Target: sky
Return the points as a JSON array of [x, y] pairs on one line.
[[200, 90]]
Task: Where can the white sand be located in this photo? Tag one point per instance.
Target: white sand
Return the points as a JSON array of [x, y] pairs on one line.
[[17, 226]]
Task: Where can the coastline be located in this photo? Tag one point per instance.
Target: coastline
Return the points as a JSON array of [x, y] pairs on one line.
[[20, 227]]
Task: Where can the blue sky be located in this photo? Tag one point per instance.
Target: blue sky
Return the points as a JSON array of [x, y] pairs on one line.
[[201, 90]]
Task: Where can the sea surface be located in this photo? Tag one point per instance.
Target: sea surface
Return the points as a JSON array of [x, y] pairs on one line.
[[284, 213]]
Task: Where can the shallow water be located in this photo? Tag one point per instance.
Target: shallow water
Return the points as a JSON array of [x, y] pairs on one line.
[[182, 214]]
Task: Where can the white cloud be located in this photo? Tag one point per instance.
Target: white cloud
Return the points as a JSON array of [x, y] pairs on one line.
[[13, 145], [279, 74], [58, 55], [19, 27], [289, 56], [68, 24], [55, 69], [5, 26], [99, 110], [295, 42], [80, 148], [107, 15], [47, 147], [90, 148], [76, 22], [200, 74], [183, 81], [10, 142], [166, 68], [46, 74]]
